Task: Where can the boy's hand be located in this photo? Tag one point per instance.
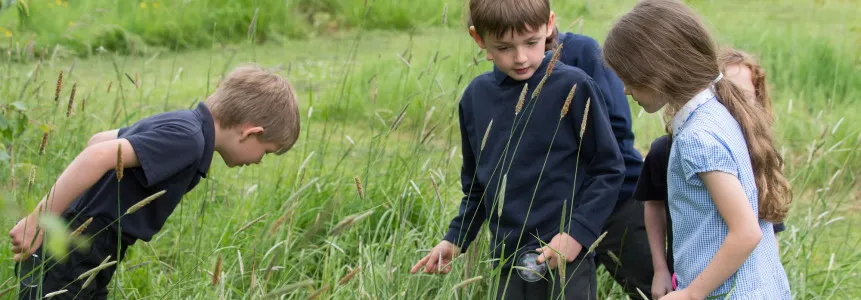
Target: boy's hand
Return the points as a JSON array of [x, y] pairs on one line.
[[21, 239], [662, 283], [438, 260], [565, 244]]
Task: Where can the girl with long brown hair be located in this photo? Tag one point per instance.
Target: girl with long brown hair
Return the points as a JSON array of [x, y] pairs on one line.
[[725, 184]]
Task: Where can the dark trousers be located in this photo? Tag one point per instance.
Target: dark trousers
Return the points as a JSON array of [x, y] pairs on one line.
[[627, 240], [580, 283], [42, 276]]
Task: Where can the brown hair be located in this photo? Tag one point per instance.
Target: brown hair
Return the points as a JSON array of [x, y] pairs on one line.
[[663, 46], [499, 17], [728, 56], [250, 94]]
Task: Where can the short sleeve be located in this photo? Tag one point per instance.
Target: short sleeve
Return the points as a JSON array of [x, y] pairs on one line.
[[703, 152], [165, 150]]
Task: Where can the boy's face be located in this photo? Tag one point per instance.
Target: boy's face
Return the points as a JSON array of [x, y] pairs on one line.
[[517, 55], [246, 148]]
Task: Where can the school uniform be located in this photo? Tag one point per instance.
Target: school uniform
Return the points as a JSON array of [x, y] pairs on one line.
[[175, 150], [515, 148], [707, 138], [652, 186]]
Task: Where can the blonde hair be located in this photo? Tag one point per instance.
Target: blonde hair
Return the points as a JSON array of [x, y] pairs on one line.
[[252, 95], [499, 17], [663, 46]]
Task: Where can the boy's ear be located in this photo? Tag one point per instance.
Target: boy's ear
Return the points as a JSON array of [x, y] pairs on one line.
[[477, 37], [250, 130], [551, 23]]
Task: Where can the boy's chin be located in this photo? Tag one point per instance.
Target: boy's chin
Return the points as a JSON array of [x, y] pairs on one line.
[[520, 77]]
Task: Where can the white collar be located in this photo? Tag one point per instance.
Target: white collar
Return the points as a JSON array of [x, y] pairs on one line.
[[685, 112]]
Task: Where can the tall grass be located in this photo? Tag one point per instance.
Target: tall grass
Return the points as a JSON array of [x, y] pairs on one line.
[[381, 107]]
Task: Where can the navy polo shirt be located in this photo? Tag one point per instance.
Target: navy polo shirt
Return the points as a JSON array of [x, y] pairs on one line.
[[175, 150], [598, 172], [584, 53], [652, 185]]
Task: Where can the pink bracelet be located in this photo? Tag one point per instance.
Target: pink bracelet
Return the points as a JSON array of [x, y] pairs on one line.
[[675, 284]]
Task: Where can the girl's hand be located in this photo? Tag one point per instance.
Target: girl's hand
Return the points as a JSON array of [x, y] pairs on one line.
[[438, 260], [23, 234], [683, 294]]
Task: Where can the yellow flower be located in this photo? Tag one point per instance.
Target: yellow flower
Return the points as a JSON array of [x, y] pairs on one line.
[[155, 5], [6, 32], [143, 5], [71, 23], [66, 4], [59, 2]]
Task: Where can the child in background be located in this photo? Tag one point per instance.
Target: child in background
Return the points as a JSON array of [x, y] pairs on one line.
[[745, 72], [724, 181]]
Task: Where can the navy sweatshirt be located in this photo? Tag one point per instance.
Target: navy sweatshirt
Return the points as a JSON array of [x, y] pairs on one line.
[[599, 175], [584, 53]]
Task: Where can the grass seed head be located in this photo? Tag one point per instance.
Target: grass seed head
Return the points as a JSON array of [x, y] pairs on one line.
[[348, 276], [521, 99], [44, 143], [585, 117], [144, 202], [467, 282], [486, 133], [81, 228], [52, 294], [71, 100], [216, 274], [119, 166], [359, 188], [568, 102], [59, 87]]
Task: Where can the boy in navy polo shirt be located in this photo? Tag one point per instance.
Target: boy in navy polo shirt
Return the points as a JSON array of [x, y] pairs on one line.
[[252, 113], [538, 165]]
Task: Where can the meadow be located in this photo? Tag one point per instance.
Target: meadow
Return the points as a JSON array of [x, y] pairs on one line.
[[374, 180]]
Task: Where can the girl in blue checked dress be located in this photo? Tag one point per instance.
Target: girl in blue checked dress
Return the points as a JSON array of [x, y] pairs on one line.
[[725, 184]]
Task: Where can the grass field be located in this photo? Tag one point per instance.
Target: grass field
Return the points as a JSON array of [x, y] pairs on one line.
[[380, 106]]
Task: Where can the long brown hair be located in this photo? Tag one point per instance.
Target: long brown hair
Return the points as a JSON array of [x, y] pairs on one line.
[[728, 56], [663, 46]]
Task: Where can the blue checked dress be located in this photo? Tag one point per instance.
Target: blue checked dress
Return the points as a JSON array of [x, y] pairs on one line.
[[707, 138]]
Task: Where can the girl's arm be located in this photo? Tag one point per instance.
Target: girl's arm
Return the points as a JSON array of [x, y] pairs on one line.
[[656, 228], [743, 237]]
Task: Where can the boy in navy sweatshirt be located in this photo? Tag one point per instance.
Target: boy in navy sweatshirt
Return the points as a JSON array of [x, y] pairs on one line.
[[556, 161]]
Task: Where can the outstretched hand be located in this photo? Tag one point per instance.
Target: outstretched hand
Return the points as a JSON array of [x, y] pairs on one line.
[[438, 260]]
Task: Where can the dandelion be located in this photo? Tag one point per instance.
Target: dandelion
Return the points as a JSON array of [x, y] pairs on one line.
[[143, 5], [568, 103], [155, 5], [59, 87], [71, 100], [144, 202]]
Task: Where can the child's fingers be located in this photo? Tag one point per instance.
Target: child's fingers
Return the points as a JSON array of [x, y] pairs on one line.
[[16, 249], [431, 266], [419, 265]]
